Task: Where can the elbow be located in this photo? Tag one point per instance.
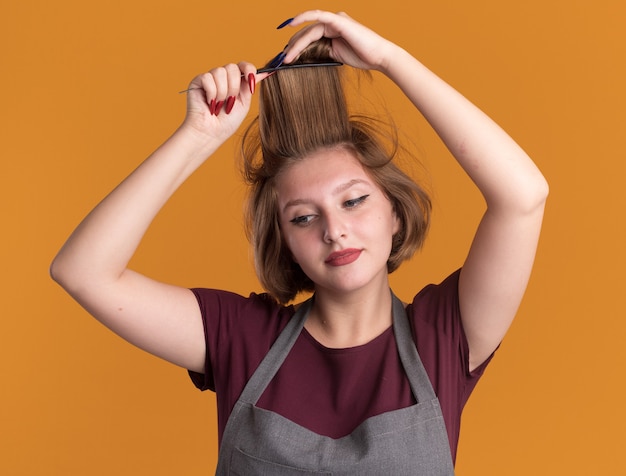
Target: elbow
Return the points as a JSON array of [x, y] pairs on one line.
[[533, 195], [541, 192], [523, 198], [77, 275], [68, 277], [534, 202], [61, 273], [56, 271]]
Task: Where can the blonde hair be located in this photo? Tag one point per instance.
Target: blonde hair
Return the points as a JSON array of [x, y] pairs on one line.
[[301, 111]]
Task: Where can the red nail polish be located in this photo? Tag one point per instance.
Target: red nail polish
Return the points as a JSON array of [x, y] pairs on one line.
[[218, 107], [230, 102], [212, 107], [252, 82]]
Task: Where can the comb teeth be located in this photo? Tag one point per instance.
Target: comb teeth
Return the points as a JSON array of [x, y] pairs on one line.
[[299, 65]]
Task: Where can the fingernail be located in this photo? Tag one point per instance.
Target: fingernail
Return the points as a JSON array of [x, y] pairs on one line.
[[284, 24], [230, 102], [278, 60], [218, 107], [212, 107], [252, 82]]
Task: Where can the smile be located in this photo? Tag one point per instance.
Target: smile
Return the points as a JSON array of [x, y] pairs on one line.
[[343, 257]]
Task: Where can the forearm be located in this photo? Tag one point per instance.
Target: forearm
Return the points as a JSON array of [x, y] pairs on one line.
[[505, 175], [102, 245]]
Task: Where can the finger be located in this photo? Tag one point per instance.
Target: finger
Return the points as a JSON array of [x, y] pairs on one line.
[[233, 87], [302, 39], [326, 24], [249, 77], [313, 16], [200, 88], [216, 85]]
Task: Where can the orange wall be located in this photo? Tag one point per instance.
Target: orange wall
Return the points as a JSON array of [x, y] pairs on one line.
[[90, 88]]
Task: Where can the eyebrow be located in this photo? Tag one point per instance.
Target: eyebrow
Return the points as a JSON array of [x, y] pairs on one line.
[[340, 188]]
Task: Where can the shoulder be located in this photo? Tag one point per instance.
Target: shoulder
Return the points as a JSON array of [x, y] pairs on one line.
[[437, 327], [437, 302], [228, 302], [227, 314]]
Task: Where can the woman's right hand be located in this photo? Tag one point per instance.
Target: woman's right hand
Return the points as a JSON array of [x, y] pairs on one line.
[[219, 100]]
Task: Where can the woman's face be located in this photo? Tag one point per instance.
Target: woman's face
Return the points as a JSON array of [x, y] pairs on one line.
[[336, 221]]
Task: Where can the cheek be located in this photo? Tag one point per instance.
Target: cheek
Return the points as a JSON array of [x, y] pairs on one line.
[[294, 244], [293, 256], [389, 220], [288, 244], [302, 244]]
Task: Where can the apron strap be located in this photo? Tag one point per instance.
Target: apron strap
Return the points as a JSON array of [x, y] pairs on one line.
[[276, 356], [414, 368]]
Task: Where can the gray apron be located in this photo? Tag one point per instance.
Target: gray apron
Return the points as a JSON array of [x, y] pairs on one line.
[[409, 441]]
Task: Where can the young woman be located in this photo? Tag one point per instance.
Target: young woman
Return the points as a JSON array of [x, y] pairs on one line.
[[352, 381]]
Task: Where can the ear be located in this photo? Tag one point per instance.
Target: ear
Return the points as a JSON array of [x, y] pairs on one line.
[[397, 223]]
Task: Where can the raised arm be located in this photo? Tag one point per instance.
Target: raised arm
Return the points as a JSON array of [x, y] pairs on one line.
[[496, 272], [92, 265]]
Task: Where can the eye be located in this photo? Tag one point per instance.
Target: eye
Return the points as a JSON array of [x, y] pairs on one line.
[[302, 220], [355, 202]]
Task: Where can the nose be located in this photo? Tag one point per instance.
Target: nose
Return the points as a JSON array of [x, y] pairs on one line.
[[334, 229]]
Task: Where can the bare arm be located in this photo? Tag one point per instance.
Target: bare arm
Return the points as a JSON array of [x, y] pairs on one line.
[[496, 271], [92, 266], [498, 266]]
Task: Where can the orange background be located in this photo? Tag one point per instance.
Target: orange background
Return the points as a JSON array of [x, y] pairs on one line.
[[88, 89]]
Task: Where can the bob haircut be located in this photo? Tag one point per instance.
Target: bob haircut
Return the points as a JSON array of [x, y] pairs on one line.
[[303, 110]]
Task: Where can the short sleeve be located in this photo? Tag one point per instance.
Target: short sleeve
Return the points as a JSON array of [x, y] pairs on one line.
[[239, 332], [442, 345]]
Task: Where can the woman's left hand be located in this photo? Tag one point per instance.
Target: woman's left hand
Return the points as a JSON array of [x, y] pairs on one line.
[[352, 43]]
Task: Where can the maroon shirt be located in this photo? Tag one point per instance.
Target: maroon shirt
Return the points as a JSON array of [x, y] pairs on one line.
[[332, 391]]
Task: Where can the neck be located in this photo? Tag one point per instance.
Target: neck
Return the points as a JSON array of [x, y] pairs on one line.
[[341, 320]]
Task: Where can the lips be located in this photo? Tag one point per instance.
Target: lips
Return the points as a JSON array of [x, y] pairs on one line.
[[343, 257]]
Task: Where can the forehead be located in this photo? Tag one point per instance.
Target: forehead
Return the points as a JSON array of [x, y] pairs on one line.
[[322, 170]]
